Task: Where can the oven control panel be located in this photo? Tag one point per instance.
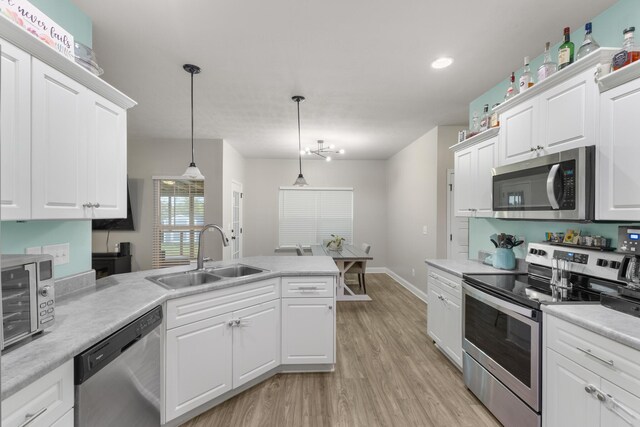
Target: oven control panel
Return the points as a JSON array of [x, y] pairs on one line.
[[576, 257], [629, 239], [595, 263]]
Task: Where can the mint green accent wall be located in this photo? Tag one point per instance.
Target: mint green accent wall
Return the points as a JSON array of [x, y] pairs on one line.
[[533, 231], [607, 31], [69, 16], [17, 236]]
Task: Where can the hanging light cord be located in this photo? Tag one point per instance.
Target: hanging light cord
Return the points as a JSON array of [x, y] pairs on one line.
[[193, 162], [299, 143]]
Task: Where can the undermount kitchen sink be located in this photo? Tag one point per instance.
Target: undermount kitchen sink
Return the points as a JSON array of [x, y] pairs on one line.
[[236, 270], [184, 279], [202, 277]]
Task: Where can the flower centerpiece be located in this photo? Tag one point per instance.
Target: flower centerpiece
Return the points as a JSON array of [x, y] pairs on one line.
[[335, 244]]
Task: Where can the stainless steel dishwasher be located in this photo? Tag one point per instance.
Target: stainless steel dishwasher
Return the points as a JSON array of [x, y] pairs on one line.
[[118, 379]]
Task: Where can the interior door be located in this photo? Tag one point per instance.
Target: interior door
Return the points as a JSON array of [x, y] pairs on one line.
[[236, 220]]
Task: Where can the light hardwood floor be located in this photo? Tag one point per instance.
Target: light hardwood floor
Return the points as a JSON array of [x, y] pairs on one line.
[[388, 373]]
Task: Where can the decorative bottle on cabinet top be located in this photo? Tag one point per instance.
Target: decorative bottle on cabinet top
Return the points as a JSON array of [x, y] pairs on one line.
[[512, 90], [629, 53], [565, 52], [484, 119], [588, 45], [548, 67], [526, 79]]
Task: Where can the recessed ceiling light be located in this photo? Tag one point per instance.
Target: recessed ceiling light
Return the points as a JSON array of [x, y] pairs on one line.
[[443, 62]]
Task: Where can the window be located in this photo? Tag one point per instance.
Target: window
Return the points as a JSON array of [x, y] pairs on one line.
[[178, 217], [310, 215]]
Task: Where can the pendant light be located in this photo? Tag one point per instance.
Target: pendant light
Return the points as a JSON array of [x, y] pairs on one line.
[[300, 181], [192, 171]]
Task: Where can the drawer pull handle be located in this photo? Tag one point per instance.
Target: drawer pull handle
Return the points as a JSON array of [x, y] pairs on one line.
[[308, 288], [589, 353], [29, 418]]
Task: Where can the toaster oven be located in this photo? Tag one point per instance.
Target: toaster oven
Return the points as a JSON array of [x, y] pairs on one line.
[[28, 301]]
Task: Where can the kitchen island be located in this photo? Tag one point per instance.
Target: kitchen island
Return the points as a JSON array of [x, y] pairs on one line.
[[88, 316]]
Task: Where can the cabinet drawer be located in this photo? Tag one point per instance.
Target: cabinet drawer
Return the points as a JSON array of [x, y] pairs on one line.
[[308, 286], [45, 401], [609, 359], [182, 311], [446, 281]]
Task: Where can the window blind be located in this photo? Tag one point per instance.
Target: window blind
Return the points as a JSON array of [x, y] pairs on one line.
[[178, 217], [307, 216]]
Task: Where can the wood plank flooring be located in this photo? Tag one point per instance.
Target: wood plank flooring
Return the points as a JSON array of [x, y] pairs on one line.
[[388, 373]]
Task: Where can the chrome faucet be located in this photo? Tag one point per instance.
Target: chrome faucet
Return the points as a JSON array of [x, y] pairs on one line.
[[225, 242]]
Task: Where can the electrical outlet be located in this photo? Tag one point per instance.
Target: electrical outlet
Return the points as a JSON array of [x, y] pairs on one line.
[[413, 272], [34, 250], [60, 253]]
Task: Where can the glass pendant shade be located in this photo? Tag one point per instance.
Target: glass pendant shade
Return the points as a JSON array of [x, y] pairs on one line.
[[193, 172], [300, 182]]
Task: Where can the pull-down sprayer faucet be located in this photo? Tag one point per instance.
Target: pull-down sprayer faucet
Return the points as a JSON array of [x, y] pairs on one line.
[[225, 242]]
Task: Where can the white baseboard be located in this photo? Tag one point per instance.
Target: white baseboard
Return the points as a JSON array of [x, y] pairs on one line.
[[409, 286]]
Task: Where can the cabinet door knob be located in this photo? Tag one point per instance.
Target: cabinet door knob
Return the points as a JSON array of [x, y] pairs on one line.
[[97, 205], [330, 307], [87, 205], [590, 389]]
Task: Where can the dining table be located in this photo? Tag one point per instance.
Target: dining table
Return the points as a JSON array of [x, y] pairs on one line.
[[344, 258]]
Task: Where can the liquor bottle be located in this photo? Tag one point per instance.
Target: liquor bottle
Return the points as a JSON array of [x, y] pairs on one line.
[[475, 124], [565, 52], [484, 119], [548, 67], [494, 121], [526, 79], [512, 90], [629, 53], [588, 45]]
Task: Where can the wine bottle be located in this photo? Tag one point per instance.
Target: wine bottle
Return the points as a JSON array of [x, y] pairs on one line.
[[565, 52]]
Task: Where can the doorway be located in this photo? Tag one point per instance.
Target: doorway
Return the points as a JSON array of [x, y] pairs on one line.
[[237, 197], [457, 227]]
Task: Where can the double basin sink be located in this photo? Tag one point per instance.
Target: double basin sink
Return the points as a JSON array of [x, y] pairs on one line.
[[190, 278]]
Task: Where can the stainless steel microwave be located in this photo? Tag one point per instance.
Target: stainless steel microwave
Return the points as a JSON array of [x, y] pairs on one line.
[[28, 303], [558, 186]]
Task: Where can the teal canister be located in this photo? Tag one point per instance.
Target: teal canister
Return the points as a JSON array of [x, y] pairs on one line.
[[504, 259]]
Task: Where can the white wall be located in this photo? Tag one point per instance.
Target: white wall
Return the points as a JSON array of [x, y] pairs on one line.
[[232, 171], [264, 177], [165, 157], [416, 188]]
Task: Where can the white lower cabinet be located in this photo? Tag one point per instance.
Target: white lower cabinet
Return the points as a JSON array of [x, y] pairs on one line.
[[444, 313], [45, 402], [198, 364], [308, 330], [65, 421], [256, 341], [589, 380]]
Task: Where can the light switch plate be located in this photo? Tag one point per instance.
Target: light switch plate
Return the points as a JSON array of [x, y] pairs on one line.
[[424, 229], [60, 253], [34, 250]]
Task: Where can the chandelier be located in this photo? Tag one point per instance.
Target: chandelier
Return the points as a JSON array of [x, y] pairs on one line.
[[323, 151]]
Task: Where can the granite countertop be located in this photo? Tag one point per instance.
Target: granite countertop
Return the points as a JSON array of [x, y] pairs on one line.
[[86, 317], [472, 266], [609, 323]]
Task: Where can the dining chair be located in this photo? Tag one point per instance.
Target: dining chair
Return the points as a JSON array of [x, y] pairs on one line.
[[299, 250], [360, 267]]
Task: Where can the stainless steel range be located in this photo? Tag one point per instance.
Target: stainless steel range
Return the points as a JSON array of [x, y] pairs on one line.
[[502, 324]]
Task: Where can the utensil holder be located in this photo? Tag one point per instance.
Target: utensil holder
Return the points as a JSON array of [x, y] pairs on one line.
[[504, 259]]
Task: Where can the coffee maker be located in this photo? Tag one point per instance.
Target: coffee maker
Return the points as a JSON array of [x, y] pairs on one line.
[[627, 300]]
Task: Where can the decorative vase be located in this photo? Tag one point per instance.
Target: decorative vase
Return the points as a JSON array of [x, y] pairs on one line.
[[504, 259], [335, 247]]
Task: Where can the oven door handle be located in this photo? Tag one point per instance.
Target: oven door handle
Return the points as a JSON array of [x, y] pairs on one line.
[[497, 303], [551, 180]]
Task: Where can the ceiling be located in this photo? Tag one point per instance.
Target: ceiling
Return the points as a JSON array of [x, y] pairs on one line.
[[363, 65]]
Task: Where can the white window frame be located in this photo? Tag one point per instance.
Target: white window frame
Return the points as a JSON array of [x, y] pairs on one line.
[[157, 258], [287, 245]]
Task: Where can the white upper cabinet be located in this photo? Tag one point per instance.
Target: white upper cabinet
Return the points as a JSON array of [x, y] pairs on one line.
[[473, 179], [107, 158], [557, 114], [618, 187], [568, 114], [519, 129], [15, 133], [59, 145]]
